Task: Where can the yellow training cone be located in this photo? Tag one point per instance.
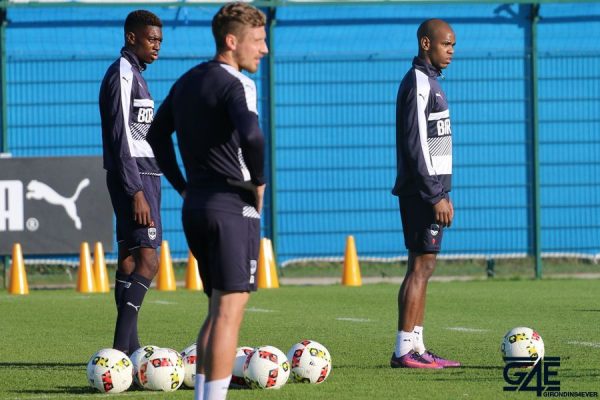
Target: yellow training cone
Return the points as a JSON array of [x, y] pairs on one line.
[[192, 275], [351, 276], [272, 262], [266, 274], [18, 277], [100, 273], [85, 279], [166, 275]]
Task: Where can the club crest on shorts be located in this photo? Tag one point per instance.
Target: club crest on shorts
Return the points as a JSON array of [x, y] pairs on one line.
[[152, 233], [434, 229]]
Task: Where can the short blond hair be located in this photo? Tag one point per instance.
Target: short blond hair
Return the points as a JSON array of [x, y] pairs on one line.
[[232, 18]]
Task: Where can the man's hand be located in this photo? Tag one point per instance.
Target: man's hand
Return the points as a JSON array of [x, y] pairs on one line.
[[259, 191], [259, 194], [141, 209], [444, 213]]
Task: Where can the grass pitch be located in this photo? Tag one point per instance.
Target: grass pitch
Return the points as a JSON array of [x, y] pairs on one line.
[[47, 337]]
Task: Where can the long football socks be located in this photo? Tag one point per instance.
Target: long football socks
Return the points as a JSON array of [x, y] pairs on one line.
[[129, 306], [121, 283]]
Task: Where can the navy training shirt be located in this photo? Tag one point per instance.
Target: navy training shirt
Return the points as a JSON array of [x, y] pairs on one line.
[[126, 111], [423, 136], [213, 109]]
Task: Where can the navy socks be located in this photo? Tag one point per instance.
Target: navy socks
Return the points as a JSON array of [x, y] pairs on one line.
[[129, 305]]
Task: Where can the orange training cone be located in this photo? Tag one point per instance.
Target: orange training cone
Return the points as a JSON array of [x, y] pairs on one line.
[[266, 274], [85, 280], [272, 262], [18, 277], [166, 275], [192, 275], [100, 273], [351, 276]]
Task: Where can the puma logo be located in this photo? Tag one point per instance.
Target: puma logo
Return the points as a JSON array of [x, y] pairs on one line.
[[40, 191], [137, 308]]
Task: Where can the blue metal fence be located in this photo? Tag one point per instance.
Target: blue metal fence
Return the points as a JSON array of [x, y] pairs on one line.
[[336, 73]]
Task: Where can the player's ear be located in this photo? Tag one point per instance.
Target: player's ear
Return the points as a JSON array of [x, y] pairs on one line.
[[231, 41], [425, 43], [130, 38]]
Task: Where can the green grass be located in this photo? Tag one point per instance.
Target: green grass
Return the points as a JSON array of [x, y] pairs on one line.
[[40, 275], [48, 336]]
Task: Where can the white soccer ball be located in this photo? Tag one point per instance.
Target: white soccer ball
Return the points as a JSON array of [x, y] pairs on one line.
[[523, 342], [163, 370], [237, 376], [310, 362], [138, 357], [266, 368], [110, 371], [189, 365]]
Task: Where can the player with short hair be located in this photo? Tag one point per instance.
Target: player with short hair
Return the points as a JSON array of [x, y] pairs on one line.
[[132, 174], [423, 183], [213, 109]]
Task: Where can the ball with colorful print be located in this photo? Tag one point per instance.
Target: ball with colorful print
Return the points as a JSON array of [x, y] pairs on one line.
[[237, 375], [189, 365], [138, 357], [266, 367], [310, 362], [522, 342], [110, 371], [163, 370]]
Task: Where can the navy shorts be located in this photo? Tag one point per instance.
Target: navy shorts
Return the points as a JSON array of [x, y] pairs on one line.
[[421, 233], [226, 246], [129, 233]]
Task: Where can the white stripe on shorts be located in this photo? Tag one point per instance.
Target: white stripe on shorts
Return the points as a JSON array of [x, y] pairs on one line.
[[250, 212]]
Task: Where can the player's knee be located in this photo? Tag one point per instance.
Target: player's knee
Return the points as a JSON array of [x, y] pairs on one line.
[[424, 267], [147, 264]]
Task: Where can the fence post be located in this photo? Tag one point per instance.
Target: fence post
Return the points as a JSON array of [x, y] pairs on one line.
[[4, 141], [272, 228], [537, 238], [4, 264]]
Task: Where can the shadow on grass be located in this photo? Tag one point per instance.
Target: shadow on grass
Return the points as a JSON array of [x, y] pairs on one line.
[[40, 365], [461, 368], [60, 390]]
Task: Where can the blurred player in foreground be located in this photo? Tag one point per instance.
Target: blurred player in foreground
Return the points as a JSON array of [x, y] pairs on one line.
[[213, 109]]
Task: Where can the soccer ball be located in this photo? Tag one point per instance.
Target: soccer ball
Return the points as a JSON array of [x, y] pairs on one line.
[[110, 371], [310, 361], [189, 365], [266, 368], [163, 370], [237, 376], [137, 357], [523, 342]]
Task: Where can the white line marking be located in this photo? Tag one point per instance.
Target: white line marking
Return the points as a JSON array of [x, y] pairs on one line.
[[463, 329], [163, 302], [253, 309], [588, 344], [353, 319]]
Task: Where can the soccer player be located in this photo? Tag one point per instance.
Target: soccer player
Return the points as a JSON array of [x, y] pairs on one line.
[[133, 176], [424, 171], [213, 109]]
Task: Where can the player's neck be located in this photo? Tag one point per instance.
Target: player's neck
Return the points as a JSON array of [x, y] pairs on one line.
[[227, 58]]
